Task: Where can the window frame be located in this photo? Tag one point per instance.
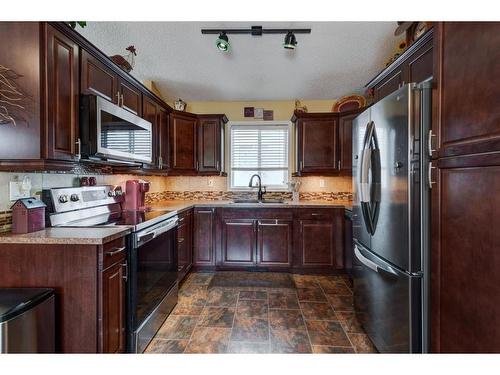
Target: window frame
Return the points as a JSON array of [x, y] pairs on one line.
[[230, 124]]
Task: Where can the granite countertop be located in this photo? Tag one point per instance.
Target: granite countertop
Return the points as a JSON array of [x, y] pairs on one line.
[[179, 205], [69, 236]]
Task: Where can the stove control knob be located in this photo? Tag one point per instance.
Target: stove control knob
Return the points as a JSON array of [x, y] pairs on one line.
[[63, 198], [74, 198]]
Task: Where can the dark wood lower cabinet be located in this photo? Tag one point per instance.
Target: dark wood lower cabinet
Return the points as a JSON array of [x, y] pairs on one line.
[[204, 236], [274, 243], [238, 242], [185, 243], [113, 284], [465, 284], [89, 285]]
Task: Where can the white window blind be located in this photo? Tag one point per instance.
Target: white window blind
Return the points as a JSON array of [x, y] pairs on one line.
[[262, 150]]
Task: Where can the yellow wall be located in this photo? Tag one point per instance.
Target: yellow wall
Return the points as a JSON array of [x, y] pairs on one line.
[[283, 110]]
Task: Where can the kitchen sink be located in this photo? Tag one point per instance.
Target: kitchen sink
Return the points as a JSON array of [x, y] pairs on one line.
[[264, 201]]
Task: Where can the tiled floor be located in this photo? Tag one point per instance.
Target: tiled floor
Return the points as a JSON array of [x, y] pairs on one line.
[[316, 317]]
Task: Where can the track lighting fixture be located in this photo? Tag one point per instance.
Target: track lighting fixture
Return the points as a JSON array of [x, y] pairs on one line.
[[222, 41], [290, 41]]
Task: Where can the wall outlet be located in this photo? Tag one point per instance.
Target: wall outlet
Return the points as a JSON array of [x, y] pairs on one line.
[[210, 182], [16, 191], [321, 183]]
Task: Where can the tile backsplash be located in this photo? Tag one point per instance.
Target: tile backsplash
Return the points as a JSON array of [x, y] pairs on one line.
[[171, 188]]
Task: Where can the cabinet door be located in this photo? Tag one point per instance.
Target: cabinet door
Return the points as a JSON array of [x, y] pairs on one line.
[[209, 150], [465, 282], [466, 104], [318, 145], [317, 244], [389, 84], [113, 309], [130, 97], [345, 143], [204, 237], [274, 243], [238, 242], [183, 143], [163, 139], [151, 113], [97, 79], [62, 96]]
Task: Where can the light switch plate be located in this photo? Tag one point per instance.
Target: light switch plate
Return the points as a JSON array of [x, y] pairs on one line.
[[16, 192], [321, 183], [210, 182]]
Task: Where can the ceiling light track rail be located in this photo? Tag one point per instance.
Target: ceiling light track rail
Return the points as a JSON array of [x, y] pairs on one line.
[[256, 31]]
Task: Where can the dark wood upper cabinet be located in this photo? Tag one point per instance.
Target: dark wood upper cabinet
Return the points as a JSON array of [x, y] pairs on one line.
[[467, 100], [238, 242], [113, 309], [274, 243], [97, 79], [183, 143], [345, 140], [204, 237], [62, 96], [130, 97], [163, 143], [211, 143], [415, 64], [317, 142], [151, 113]]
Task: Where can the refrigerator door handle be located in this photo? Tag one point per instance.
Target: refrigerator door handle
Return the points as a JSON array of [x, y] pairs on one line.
[[367, 262], [382, 269]]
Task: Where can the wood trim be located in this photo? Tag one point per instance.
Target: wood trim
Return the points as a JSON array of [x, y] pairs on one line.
[[396, 63]]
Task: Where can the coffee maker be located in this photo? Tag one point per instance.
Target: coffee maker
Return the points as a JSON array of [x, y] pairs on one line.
[[135, 193]]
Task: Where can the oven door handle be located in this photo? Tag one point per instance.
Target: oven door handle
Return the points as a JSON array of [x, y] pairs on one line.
[[148, 236]]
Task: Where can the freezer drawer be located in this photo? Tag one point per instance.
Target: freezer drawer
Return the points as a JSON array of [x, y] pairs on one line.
[[387, 302]]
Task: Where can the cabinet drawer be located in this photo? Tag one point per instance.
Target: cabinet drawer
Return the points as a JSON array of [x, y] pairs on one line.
[[113, 252], [258, 213], [316, 214]]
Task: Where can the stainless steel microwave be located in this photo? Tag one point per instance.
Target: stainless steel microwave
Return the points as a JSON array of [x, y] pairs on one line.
[[111, 133]]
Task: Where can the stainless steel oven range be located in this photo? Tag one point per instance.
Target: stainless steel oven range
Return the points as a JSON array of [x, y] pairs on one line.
[[151, 251]]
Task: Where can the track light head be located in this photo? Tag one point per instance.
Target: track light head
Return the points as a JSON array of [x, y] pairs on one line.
[[222, 42], [290, 41]]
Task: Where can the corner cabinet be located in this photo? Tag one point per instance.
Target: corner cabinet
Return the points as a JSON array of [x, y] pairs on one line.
[[183, 143], [211, 144]]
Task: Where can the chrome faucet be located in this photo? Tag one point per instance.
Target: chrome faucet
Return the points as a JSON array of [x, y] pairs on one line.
[[260, 192]]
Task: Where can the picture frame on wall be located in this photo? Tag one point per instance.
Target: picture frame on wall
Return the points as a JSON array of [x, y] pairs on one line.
[[268, 115], [258, 113], [248, 111]]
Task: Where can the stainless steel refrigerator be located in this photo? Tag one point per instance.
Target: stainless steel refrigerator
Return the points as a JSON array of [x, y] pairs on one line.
[[391, 219]]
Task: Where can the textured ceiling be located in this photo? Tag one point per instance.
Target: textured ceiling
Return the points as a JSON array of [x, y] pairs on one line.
[[336, 59]]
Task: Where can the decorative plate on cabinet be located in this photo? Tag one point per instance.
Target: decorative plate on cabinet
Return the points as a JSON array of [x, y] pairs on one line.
[[349, 103]]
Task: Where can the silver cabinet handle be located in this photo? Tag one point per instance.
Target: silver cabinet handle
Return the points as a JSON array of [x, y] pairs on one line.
[[118, 98], [117, 250], [79, 148], [429, 145], [125, 276], [217, 165], [160, 162], [122, 100], [429, 171]]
